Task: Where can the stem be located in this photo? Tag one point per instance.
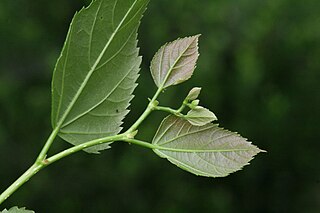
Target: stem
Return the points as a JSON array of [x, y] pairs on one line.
[[21, 180], [146, 112], [47, 145], [82, 146], [38, 165], [169, 110], [181, 108], [141, 143]]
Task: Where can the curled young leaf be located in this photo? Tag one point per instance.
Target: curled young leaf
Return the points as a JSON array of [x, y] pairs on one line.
[[175, 62], [200, 116], [194, 93], [202, 150], [17, 210], [97, 71]]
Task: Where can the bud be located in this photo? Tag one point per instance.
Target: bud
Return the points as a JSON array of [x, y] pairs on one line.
[[193, 94]]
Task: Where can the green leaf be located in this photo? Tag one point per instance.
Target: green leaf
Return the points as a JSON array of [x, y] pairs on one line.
[[202, 150], [97, 71], [193, 94], [175, 62], [17, 210], [200, 116]]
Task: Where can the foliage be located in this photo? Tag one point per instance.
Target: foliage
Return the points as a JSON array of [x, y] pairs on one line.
[[259, 70], [93, 83]]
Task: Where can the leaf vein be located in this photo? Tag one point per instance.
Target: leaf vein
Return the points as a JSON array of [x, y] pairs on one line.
[[91, 33], [189, 133], [100, 102]]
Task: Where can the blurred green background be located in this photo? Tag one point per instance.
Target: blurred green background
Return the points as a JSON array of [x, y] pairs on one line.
[[259, 69]]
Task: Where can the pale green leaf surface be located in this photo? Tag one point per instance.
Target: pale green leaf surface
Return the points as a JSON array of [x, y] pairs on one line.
[[17, 210], [97, 71], [200, 116], [175, 62], [193, 94], [202, 150]]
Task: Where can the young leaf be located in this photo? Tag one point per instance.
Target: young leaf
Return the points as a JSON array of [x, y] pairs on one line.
[[200, 116], [96, 73], [207, 150], [17, 210], [175, 62], [193, 94]]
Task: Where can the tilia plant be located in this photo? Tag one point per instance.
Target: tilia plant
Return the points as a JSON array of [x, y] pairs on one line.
[[93, 84]]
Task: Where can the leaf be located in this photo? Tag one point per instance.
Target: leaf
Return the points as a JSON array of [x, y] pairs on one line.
[[200, 116], [193, 94], [207, 150], [17, 210], [96, 73], [175, 62]]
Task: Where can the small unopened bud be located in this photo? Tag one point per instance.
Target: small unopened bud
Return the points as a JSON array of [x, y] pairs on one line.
[[195, 102], [193, 94]]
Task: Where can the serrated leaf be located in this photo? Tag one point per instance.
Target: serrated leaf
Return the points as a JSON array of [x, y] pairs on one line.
[[202, 150], [200, 116], [17, 210], [175, 62], [97, 71], [193, 94]]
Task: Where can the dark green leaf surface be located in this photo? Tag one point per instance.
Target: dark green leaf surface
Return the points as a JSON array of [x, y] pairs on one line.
[[175, 62], [97, 71], [202, 150], [17, 210]]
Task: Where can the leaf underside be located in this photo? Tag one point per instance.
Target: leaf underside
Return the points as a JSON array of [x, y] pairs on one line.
[[17, 210], [202, 150], [96, 73], [175, 62], [200, 116]]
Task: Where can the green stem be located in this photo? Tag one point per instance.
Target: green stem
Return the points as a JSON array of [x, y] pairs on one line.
[[47, 145], [40, 164], [146, 112], [21, 180], [182, 107], [37, 166], [140, 143], [83, 146], [169, 110]]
